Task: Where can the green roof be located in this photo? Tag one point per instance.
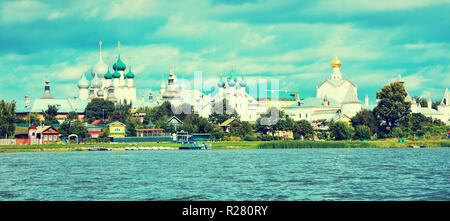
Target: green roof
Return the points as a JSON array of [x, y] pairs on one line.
[[119, 65], [129, 74], [116, 74], [108, 75]]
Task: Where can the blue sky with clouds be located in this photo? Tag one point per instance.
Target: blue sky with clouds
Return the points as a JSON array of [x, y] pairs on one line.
[[293, 41]]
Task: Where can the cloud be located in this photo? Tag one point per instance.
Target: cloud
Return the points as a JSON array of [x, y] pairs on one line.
[[293, 42]]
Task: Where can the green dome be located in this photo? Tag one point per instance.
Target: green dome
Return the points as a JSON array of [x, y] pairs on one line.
[[242, 83], [119, 65], [116, 74], [129, 74], [221, 82], [108, 74]]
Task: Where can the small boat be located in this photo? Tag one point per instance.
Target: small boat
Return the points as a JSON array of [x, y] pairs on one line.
[[193, 146], [417, 146], [100, 149]]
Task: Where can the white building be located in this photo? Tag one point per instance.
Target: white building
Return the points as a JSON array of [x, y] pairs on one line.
[[116, 85], [443, 110], [237, 97], [335, 97], [178, 95]]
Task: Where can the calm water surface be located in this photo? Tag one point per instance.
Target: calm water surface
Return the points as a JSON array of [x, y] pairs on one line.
[[297, 174]]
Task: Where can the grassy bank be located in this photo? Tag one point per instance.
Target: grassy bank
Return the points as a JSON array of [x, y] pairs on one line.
[[390, 143], [118, 146]]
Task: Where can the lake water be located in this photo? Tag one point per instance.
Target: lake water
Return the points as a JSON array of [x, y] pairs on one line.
[[255, 174]]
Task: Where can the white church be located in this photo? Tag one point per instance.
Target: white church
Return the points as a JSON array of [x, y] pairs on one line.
[[115, 85], [336, 98], [233, 90]]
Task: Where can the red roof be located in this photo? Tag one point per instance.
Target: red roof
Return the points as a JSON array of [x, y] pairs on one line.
[[32, 127], [94, 132], [95, 122], [448, 132]]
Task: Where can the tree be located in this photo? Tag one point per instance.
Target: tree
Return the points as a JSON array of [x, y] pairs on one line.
[[68, 127], [97, 109], [399, 132], [392, 108], [116, 116], [241, 129], [194, 123], [362, 132], [7, 118], [282, 122], [365, 117], [124, 110], [420, 100], [104, 136], [303, 128], [130, 128], [221, 112], [34, 119], [435, 104], [50, 115], [341, 130], [72, 116], [217, 133]]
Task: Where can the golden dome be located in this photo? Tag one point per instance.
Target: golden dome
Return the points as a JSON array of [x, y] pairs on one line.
[[336, 63]]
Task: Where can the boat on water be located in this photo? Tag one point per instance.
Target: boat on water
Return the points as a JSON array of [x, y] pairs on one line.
[[194, 146], [417, 146], [100, 149]]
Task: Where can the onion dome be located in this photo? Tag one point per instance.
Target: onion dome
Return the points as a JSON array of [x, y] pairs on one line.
[[129, 74], [116, 74], [232, 81], [336, 63], [108, 74], [100, 68], [242, 83], [221, 83], [119, 65], [96, 83], [83, 82]]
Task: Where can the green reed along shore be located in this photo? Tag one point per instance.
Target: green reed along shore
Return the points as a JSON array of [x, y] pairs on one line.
[[354, 144]]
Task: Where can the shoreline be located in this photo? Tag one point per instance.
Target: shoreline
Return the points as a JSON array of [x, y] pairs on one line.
[[388, 143]]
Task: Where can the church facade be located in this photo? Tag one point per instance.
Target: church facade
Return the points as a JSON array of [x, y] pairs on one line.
[[116, 84], [335, 98]]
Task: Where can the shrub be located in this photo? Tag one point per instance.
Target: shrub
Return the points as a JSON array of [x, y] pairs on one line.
[[362, 132], [399, 132], [249, 138], [341, 130]]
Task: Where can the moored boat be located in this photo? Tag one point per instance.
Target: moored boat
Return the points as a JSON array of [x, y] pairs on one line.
[[100, 149], [193, 146]]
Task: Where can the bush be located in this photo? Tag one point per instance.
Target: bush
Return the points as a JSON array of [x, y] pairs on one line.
[[249, 138], [399, 132], [362, 132], [341, 130]]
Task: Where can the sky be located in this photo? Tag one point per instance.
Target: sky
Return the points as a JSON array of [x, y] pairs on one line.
[[293, 41]]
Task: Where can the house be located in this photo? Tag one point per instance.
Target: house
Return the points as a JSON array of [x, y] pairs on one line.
[[227, 124], [152, 132], [175, 121], [282, 133], [95, 128], [47, 134], [116, 129]]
